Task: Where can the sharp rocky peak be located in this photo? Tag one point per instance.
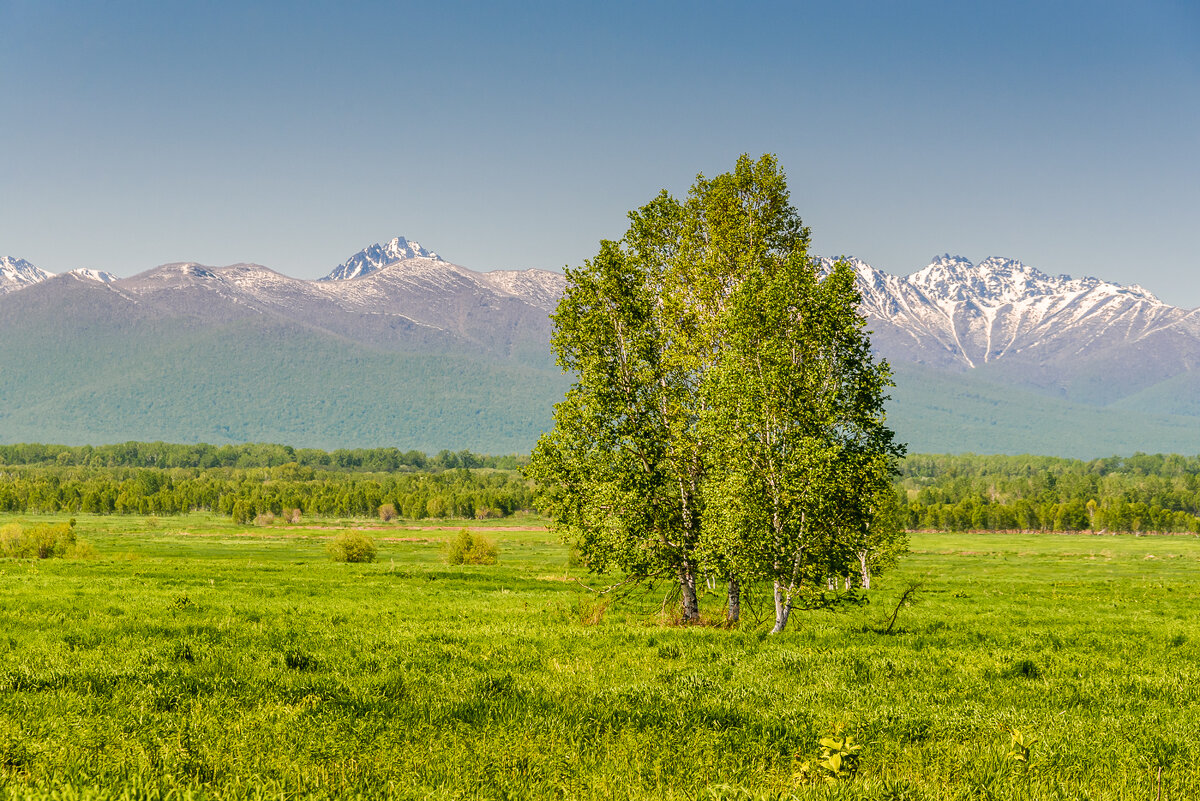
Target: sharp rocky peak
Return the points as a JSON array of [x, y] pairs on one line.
[[378, 256]]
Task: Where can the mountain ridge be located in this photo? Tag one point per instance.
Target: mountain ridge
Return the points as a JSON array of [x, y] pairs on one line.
[[967, 329]]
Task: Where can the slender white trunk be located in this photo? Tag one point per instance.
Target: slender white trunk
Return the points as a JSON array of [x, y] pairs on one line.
[[687, 596], [783, 607], [865, 566], [734, 613]]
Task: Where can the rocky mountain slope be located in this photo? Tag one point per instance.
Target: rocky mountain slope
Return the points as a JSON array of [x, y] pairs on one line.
[[999, 338]]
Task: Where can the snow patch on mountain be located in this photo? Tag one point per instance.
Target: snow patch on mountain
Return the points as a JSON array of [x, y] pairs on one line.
[[17, 274], [378, 256], [94, 275], [538, 287], [956, 312]]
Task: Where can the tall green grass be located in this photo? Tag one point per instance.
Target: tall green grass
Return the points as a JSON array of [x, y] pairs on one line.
[[194, 659]]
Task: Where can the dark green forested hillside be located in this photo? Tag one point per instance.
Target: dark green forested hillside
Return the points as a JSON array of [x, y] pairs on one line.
[[240, 383]]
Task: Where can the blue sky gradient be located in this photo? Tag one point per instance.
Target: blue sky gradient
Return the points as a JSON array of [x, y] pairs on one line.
[[1066, 134]]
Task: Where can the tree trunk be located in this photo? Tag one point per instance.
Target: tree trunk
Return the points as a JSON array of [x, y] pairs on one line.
[[864, 561], [783, 608], [734, 612], [687, 596]]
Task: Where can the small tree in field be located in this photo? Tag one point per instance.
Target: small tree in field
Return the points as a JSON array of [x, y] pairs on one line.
[[351, 546], [387, 512], [471, 549]]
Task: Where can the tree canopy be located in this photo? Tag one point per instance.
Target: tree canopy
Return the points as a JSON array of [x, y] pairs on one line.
[[727, 415]]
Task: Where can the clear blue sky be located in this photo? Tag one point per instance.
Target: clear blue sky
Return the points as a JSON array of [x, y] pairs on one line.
[[1066, 135]]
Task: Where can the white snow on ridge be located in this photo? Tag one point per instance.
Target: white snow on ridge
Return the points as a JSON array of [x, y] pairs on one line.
[[94, 275], [17, 274], [377, 256]]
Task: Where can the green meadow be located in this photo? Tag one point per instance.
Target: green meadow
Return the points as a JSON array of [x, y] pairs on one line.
[[193, 658]]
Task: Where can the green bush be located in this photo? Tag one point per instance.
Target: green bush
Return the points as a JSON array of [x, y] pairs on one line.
[[468, 549], [351, 546], [45, 541]]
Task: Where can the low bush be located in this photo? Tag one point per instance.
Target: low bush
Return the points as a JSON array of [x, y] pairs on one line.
[[469, 549], [351, 546], [44, 541]]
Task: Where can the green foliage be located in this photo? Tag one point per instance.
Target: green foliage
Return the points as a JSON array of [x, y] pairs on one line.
[[1020, 747], [471, 549], [839, 760], [246, 494], [166, 455], [351, 546], [727, 414], [42, 541], [1140, 493]]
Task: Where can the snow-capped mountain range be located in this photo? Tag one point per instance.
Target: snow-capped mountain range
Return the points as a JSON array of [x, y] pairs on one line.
[[976, 347], [17, 274], [951, 314]]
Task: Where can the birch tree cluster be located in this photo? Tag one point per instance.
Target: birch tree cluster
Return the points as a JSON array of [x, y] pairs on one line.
[[727, 416]]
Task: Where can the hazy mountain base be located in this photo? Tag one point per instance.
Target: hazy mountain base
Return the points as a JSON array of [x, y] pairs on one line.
[[285, 384], [939, 412], [273, 383]]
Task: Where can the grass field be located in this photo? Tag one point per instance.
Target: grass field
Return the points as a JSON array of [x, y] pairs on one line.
[[195, 659]]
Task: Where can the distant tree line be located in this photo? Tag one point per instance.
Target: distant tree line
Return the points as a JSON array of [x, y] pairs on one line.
[[1150, 493], [202, 455], [1143, 492], [244, 494]]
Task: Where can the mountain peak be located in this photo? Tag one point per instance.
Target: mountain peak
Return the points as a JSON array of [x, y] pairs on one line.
[[17, 274], [378, 256]]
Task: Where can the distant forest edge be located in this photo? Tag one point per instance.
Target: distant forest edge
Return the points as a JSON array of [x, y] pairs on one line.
[[277, 483], [254, 454]]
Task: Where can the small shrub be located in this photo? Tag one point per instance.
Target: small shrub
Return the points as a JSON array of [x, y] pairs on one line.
[[351, 546], [292, 516], [45, 541], [265, 519], [387, 512], [839, 759], [468, 549]]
